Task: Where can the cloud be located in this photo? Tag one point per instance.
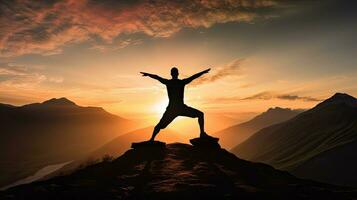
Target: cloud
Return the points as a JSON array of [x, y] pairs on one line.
[[22, 76], [296, 97], [17, 75], [45, 27], [271, 95], [56, 79], [260, 96], [231, 69], [116, 45], [267, 95], [6, 69]]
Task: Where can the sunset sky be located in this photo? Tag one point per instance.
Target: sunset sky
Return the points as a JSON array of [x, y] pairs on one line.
[[263, 53]]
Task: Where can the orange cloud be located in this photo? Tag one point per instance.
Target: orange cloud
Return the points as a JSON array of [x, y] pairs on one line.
[[21, 76], [231, 69], [46, 26]]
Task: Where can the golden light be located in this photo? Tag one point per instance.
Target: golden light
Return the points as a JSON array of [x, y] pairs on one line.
[[160, 107]]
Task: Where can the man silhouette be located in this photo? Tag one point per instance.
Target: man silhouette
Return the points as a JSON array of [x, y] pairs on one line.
[[177, 107]]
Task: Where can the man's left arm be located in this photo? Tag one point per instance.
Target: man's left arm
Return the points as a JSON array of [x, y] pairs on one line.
[[193, 77]]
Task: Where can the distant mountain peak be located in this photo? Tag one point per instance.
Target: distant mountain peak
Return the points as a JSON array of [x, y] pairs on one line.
[[274, 112], [340, 98], [343, 96], [277, 109], [59, 102]]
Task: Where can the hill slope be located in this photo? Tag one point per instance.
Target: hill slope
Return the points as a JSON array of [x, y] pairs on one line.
[[337, 166], [35, 135], [118, 146], [179, 172], [234, 135], [331, 124]]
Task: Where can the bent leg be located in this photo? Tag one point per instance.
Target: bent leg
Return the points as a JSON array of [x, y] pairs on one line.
[[165, 120], [192, 112]]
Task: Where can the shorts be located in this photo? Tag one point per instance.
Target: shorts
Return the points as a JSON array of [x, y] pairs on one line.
[[174, 111]]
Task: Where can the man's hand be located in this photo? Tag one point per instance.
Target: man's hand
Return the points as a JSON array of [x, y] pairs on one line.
[[206, 71], [145, 74]]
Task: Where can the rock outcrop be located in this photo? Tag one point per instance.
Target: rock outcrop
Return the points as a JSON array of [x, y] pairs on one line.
[[179, 171]]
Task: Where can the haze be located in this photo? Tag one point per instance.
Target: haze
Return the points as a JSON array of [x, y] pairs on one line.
[[263, 53]]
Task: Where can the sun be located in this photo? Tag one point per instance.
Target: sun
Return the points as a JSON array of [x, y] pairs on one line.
[[160, 107]]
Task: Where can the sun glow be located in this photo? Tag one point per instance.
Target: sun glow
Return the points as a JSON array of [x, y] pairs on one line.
[[160, 107]]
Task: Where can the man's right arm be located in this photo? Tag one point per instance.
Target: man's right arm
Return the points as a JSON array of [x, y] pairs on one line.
[[154, 76]]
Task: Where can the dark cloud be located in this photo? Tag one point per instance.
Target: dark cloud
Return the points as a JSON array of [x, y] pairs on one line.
[[263, 96], [28, 26], [260, 96], [271, 95], [296, 97]]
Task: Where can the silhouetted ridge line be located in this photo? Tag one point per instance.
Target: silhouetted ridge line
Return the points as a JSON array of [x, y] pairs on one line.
[[181, 171], [59, 102], [4, 105], [309, 141], [339, 98], [35, 135], [234, 135]]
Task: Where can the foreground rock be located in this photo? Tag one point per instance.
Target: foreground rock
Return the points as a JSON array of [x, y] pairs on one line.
[[181, 171], [148, 145], [206, 142]]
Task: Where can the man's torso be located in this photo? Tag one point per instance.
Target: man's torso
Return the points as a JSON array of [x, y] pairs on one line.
[[175, 91]]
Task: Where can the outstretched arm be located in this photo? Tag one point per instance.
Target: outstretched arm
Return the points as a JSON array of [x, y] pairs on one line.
[[154, 76], [193, 77]]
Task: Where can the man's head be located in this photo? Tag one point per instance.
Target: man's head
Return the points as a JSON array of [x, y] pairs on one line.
[[174, 73]]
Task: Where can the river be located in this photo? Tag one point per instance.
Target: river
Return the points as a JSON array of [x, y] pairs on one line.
[[38, 175]]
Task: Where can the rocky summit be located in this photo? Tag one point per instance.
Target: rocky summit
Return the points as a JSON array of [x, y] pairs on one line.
[[179, 171]]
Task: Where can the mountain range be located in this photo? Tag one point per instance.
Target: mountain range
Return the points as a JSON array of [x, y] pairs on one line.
[[39, 134], [316, 144], [319, 143], [234, 135], [117, 147], [120, 144]]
